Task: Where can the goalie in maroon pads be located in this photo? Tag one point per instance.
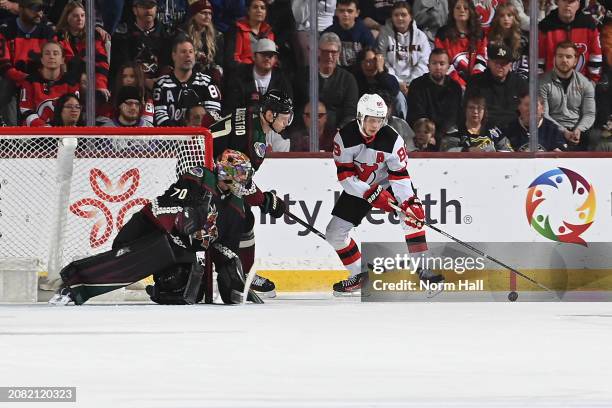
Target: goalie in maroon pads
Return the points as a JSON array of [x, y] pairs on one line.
[[199, 215], [371, 162]]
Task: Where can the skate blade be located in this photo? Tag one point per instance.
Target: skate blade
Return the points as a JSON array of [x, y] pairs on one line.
[[266, 295], [433, 293]]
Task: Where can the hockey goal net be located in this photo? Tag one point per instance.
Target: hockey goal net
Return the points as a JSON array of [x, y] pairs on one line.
[[65, 192]]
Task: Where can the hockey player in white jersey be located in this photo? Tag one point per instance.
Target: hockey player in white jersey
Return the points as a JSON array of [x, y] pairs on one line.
[[371, 162]]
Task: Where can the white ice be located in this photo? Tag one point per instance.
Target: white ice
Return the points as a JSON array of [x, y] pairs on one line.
[[313, 351]]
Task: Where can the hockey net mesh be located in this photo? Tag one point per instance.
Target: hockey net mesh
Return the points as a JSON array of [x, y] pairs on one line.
[[65, 196]]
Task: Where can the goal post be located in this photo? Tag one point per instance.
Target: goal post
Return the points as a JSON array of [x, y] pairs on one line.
[[65, 192]]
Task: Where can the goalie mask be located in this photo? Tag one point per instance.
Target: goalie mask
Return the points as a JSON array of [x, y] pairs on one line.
[[371, 106], [234, 169]]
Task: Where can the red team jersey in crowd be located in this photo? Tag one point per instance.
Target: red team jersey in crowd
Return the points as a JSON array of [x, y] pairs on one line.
[[74, 53], [463, 63], [382, 161], [582, 31], [38, 96], [18, 50]]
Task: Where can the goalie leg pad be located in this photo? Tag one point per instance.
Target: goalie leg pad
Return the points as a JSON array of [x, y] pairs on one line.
[[117, 268], [178, 285]]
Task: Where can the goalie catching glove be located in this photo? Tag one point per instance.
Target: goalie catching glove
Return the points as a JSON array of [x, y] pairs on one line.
[[413, 213], [379, 198]]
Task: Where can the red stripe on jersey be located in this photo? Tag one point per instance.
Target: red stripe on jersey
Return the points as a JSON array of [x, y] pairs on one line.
[[345, 175], [396, 177], [340, 164]]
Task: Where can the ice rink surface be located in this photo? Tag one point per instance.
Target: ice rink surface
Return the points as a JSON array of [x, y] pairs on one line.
[[313, 351]]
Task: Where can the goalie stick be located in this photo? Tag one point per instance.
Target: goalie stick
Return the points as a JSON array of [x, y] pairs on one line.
[[479, 252]]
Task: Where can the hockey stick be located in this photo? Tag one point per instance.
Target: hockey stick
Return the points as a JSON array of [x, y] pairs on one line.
[[479, 252], [305, 224]]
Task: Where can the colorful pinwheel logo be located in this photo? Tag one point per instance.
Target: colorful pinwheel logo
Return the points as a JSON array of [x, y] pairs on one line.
[[561, 205], [106, 191]]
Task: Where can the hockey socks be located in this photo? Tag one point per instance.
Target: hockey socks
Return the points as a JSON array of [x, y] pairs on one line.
[[351, 258]]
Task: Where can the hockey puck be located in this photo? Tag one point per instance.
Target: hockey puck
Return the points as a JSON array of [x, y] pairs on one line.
[[512, 296]]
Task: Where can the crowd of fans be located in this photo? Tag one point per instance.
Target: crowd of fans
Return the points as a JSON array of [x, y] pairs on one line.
[[453, 72]]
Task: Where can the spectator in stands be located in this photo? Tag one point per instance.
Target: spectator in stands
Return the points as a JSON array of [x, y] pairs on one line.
[[372, 77], [337, 87], [55, 8], [299, 133], [406, 48], [131, 74], [145, 41], [464, 41], [41, 89], [506, 29], [226, 12], [569, 96], [473, 133], [550, 137], [567, 23], [353, 34], [252, 81], [207, 40], [430, 16], [68, 111], [195, 115], [424, 136], [174, 92], [128, 109], [603, 96], [71, 35], [434, 95], [248, 30], [301, 15], [500, 86], [21, 40]]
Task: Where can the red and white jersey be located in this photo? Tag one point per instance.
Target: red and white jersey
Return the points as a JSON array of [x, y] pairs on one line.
[[381, 161]]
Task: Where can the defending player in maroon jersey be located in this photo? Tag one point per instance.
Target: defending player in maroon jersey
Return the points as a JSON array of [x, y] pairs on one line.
[[371, 162]]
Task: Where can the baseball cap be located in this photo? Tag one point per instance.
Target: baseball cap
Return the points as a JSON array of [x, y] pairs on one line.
[[500, 52], [265, 45]]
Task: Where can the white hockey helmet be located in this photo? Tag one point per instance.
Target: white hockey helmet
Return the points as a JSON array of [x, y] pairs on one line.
[[371, 105]]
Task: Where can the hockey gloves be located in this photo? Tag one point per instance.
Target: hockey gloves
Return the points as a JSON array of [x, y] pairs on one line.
[[379, 198], [272, 205], [413, 214]]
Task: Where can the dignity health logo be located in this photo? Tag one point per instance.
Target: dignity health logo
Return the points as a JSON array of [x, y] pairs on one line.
[[560, 205]]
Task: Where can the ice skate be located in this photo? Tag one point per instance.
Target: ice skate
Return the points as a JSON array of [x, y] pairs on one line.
[[62, 297], [351, 286], [263, 287], [429, 277]]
